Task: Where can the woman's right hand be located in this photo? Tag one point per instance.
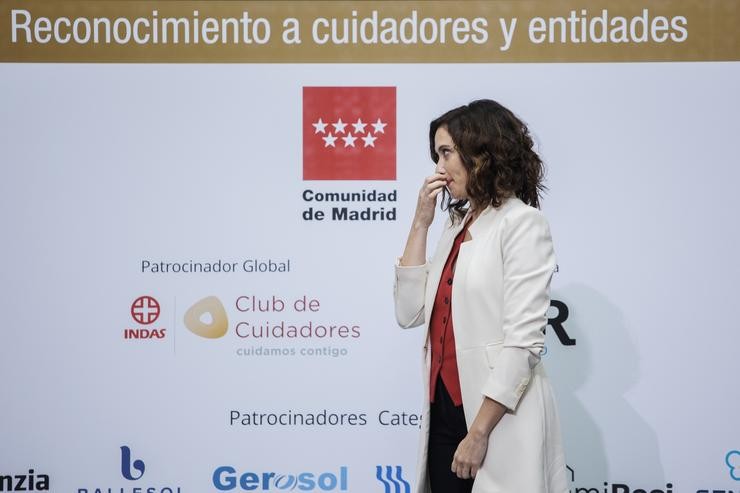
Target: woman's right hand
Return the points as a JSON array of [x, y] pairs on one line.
[[416, 244], [427, 201]]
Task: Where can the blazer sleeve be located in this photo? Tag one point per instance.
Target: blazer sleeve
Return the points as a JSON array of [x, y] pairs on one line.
[[528, 266], [408, 291]]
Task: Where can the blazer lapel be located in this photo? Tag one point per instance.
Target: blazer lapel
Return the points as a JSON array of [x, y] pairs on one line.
[[463, 259], [484, 223]]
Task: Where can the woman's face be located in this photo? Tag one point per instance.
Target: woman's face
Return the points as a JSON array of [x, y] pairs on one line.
[[450, 163]]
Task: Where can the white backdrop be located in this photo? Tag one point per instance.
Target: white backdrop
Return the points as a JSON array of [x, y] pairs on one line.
[[104, 166]]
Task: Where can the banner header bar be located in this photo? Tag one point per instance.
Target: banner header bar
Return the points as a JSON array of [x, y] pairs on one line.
[[369, 32]]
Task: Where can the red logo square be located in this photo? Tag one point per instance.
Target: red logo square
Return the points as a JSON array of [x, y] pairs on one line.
[[349, 133]]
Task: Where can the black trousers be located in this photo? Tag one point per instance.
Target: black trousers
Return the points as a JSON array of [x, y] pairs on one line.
[[447, 428]]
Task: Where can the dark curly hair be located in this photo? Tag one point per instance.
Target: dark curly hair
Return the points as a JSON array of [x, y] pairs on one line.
[[496, 150]]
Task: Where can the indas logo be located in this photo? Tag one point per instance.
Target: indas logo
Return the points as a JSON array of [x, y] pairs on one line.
[[349, 133], [145, 310], [392, 479]]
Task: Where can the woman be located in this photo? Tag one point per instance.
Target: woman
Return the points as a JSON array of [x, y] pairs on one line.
[[490, 423]]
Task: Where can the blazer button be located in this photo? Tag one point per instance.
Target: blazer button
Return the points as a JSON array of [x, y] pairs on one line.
[[449, 281], [447, 300]]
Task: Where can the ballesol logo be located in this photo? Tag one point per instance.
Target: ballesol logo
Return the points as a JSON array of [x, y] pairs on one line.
[[126, 465], [24, 482], [392, 479], [132, 470], [349, 133], [145, 311], [226, 478], [207, 318]]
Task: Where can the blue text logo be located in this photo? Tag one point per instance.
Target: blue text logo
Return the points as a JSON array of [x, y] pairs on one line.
[[392, 479], [126, 464], [225, 478]]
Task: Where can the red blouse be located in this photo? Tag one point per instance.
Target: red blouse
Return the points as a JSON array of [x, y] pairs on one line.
[[441, 333]]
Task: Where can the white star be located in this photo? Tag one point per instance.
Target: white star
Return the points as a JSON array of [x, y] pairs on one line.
[[319, 126], [339, 126], [359, 126], [329, 140], [369, 140], [379, 126], [349, 140]]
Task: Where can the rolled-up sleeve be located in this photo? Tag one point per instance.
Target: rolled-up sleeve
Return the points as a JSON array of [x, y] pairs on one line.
[[408, 292], [528, 265]]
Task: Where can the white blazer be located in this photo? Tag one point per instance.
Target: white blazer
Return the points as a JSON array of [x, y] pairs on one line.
[[500, 295]]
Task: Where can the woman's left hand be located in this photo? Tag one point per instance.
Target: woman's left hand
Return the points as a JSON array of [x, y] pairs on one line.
[[469, 455]]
